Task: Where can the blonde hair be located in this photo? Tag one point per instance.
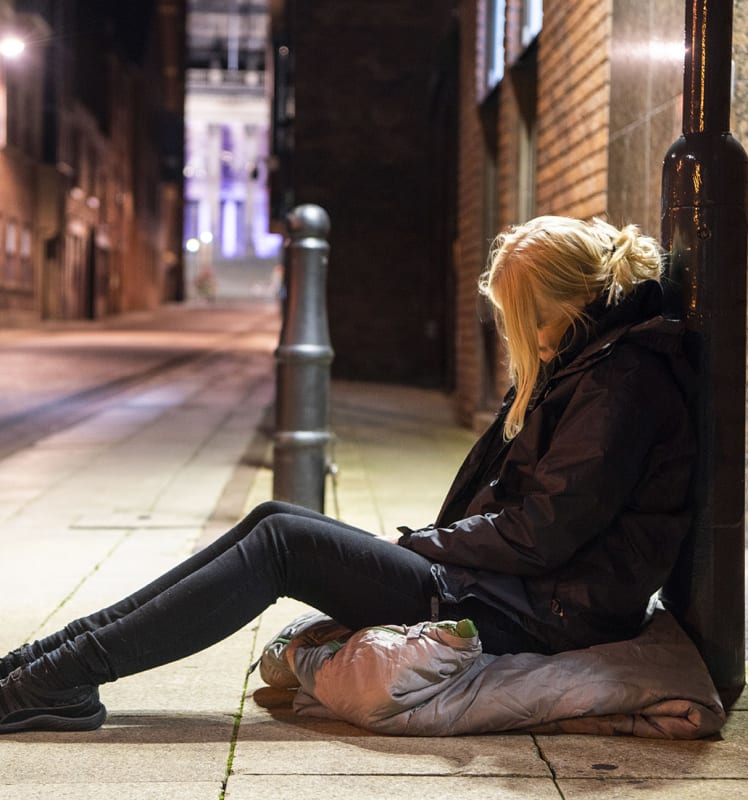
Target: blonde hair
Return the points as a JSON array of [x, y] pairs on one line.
[[568, 263]]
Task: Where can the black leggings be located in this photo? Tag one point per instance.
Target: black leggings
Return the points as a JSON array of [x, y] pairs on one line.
[[278, 550]]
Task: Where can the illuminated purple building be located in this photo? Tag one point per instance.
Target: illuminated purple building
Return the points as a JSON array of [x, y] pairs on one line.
[[227, 119]]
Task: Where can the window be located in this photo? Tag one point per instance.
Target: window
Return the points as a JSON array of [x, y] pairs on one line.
[[3, 113], [532, 20], [10, 251], [27, 274], [494, 45], [227, 155], [228, 229], [12, 111], [191, 226], [526, 91], [528, 148]]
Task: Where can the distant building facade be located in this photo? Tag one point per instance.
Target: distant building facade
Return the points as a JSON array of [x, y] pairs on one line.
[[227, 121], [21, 103], [100, 137]]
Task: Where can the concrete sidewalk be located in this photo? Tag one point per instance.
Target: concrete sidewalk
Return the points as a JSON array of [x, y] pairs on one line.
[[93, 512]]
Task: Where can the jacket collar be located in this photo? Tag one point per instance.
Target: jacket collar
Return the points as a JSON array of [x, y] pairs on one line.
[[636, 317]]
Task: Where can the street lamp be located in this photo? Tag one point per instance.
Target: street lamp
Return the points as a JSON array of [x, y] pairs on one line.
[[11, 47]]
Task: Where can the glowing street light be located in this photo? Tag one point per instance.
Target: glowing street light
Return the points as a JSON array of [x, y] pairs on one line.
[[11, 46]]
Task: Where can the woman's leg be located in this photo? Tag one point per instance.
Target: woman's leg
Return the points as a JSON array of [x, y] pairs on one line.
[[127, 605], [197, 561], [353, 576]]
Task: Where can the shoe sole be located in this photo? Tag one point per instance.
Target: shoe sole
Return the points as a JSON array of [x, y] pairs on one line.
[[57, 722]]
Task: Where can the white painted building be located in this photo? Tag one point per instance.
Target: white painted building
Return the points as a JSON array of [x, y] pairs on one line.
[[227, 117]]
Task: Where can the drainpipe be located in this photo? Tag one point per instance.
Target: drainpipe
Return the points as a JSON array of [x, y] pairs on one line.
[[704, 234]]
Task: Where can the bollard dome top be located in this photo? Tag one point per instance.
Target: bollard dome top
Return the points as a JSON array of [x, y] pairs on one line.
[[308, 220]]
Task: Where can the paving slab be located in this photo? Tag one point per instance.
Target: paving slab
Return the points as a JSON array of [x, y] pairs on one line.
[[674, 789], [210, 682], [271, 745], [388, 787], [722, 756], [273, 740], [142, 553], [154, 748], [204, 790], [50, 564], [398, 445]]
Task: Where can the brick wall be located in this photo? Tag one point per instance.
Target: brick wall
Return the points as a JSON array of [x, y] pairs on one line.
[[573, 103], [372, 146], [469, 250], [19, 297], [561, 84], [509, 123]]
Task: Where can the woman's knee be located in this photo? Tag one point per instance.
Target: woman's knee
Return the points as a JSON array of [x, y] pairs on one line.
[[264, 510], [268, 508], [271, 525]]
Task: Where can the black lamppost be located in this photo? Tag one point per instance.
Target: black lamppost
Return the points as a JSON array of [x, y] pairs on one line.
[[704, 231]]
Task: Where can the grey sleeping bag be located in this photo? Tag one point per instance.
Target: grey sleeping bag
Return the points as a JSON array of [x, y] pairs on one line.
[[425, 680]]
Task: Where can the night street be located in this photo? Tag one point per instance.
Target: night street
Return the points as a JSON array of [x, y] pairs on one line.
[[56, 375], [129, 443], [472, 284]]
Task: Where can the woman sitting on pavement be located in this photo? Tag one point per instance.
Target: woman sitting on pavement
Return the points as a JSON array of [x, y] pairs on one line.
[[565, 518]]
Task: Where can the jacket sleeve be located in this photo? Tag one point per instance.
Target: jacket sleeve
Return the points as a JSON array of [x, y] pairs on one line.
[[549, 505]]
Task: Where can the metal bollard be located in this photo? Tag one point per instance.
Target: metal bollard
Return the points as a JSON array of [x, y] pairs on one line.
[[303, 360]]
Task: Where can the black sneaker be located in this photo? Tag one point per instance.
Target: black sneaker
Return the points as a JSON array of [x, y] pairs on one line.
[[17, 658], [25, 705]]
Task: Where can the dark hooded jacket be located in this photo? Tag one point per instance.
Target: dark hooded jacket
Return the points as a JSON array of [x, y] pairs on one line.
[[573, 525]]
